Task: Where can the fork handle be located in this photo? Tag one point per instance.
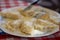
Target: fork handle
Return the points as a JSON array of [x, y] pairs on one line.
[[31, 5]]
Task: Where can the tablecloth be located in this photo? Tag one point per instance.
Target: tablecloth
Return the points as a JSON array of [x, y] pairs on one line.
[[13, 3]]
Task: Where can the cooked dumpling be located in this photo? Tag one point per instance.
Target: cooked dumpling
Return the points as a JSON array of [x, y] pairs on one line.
[[12, 14], [13, 25], [16, 23], [50, 17], [55, 18], [44, 25], [28, 13], [9, 27], [27, 27], [40, 25]]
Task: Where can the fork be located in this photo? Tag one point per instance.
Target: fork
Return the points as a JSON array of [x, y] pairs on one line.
[[30, 6]]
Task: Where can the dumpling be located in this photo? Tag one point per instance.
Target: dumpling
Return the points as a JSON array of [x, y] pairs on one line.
[[27, 27], [51, 17], [55, 18], [12, 14], [13, 25], [44, 25], [40, 25], [9, 27], [28, 13], [16, 23]]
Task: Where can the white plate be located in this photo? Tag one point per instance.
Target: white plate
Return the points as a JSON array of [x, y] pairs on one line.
[[17, 34]]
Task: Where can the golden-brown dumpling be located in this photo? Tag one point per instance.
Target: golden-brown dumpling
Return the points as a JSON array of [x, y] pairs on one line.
[[50, 17], [26, 27], [13, 25], [16, 23], [44, 25], [55, 18], [12, 14], [9, 27], [28, 13]]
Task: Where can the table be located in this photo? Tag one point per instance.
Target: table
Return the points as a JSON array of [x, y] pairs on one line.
[[13, 3]]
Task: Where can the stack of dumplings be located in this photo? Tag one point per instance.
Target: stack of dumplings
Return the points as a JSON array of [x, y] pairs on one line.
[[26, 22]]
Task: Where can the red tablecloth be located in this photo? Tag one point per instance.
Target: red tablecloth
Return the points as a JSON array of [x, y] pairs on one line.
[[12, 3]]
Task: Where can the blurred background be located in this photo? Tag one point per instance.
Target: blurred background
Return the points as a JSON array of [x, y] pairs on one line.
[[51, 4]]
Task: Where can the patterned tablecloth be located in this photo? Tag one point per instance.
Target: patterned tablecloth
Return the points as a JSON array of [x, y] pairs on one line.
[[13, 3]]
